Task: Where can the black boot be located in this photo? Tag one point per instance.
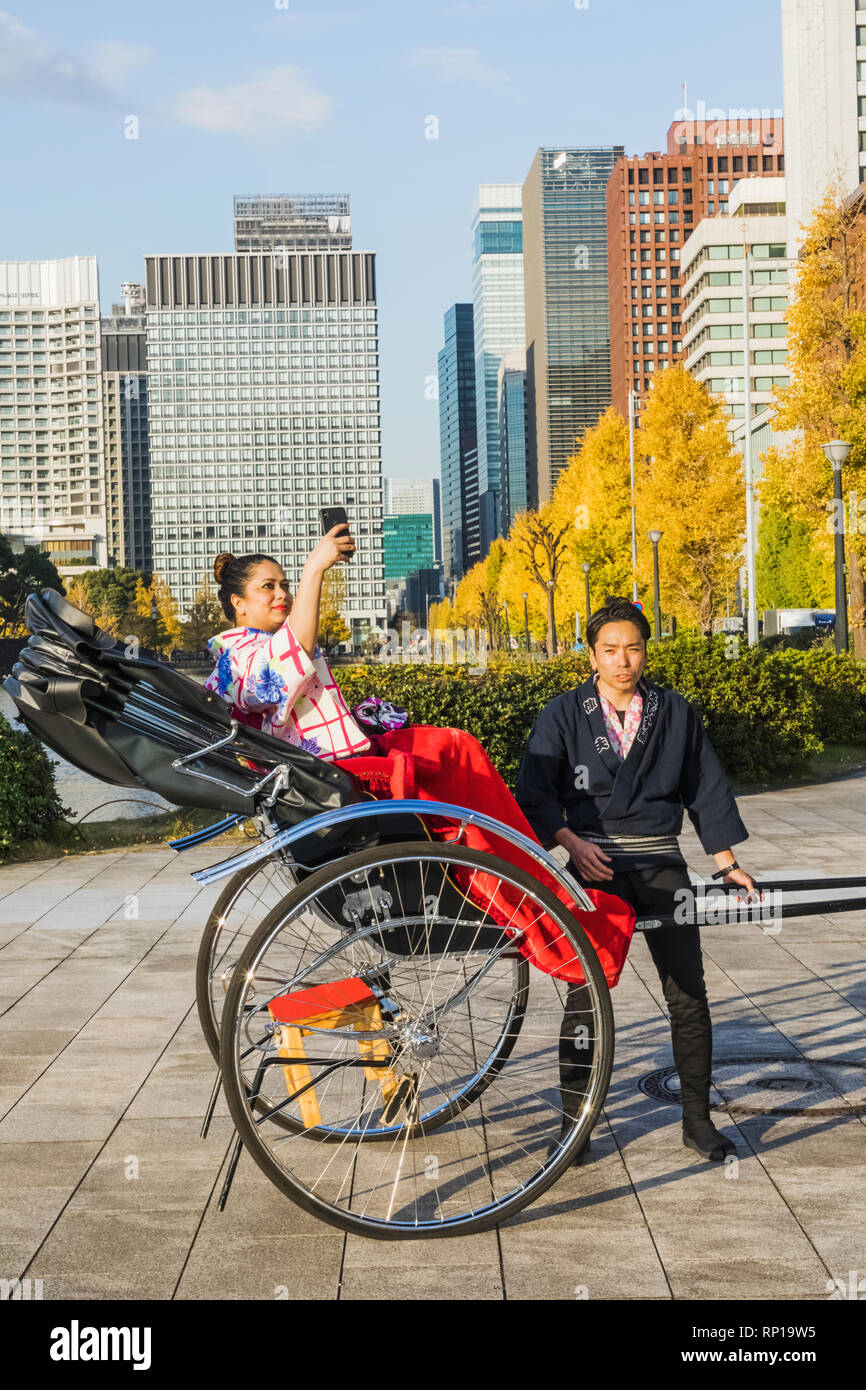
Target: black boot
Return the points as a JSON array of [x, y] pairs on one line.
[[700, 1134], [583, 1152], [692, 1038], [576, 1057]]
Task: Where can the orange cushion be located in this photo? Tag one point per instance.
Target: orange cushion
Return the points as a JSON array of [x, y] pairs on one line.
[[321, 999]]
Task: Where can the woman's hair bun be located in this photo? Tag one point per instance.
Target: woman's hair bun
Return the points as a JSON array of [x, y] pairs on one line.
[[221, 564]]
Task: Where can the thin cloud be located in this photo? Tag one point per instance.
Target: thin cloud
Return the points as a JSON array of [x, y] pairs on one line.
[[299, 26], [273, 99], [30, 66], [457, 65], [111, 62]]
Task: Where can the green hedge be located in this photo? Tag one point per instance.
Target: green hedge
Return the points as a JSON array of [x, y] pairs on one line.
[[29, 804], [765, 712]]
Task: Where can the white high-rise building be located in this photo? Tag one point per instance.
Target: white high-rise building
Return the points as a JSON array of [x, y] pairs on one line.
[[712, 265], [824, 72], [52, 461], [499, 319], [263, 374]]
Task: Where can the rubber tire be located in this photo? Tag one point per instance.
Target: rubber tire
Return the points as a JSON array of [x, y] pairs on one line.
[[227, 897]]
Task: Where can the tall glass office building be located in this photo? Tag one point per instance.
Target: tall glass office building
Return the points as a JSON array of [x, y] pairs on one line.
[[498, 304], [458, 442], [418, 496], [567, 304], [511, 402], [264, 407], [408, 544], [127, 454]]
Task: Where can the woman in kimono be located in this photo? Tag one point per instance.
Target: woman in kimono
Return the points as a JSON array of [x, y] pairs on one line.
[[270, 670]]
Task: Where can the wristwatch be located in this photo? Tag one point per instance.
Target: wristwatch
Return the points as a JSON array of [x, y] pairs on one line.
[[726, 870]]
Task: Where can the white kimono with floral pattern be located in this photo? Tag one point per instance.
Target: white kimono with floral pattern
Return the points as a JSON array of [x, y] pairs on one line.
[[274, 685]]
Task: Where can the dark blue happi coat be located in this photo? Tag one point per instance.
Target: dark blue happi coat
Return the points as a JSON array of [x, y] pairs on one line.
[[571, 776]]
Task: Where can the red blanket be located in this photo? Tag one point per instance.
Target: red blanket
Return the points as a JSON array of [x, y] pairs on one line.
[[432, 764]]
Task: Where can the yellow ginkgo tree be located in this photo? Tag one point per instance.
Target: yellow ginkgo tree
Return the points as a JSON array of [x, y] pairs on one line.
[[690, 487], [593, 499], [826, 397]]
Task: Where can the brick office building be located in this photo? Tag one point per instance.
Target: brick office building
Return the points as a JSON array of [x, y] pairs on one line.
[[654, 203]]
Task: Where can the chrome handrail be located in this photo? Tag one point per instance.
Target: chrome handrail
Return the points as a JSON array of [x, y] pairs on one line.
[[345, 814], [280, 775]]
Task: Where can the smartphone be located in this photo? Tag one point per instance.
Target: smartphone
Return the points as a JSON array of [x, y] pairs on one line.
[[333, 516]]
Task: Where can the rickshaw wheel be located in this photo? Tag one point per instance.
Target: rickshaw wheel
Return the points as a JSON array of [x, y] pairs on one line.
[[241, 907], [446, 1031]]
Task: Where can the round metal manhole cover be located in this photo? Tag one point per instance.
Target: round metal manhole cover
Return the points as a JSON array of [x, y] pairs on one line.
[[823, 1087]]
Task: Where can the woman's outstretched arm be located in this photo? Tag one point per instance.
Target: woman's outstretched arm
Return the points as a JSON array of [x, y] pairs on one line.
[[304, 616]]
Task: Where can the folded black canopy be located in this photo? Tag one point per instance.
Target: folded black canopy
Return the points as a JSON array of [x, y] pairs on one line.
[[126, 719]]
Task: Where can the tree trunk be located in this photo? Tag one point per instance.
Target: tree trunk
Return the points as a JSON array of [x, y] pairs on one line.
[[858, 604]]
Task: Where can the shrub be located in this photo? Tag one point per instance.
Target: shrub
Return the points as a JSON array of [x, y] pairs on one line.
[[762, 717], [29, 804], [839, 685]]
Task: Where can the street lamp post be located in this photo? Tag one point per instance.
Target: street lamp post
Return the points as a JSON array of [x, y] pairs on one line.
[[153, 617], [526, 622], [507, 629], [585, 566], [837, 451], [655, 537], [751, 583]]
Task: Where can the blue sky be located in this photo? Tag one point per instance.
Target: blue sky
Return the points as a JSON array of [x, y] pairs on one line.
[[320, 96]]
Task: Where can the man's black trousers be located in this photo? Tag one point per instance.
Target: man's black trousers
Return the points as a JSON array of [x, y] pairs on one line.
[[676, 952]]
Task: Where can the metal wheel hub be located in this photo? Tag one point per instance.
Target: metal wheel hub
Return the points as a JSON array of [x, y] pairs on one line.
[[417, 1042]]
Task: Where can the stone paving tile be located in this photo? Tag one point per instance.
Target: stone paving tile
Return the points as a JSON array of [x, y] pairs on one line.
[[260, 1243], [127, 1255], [464, 1283]]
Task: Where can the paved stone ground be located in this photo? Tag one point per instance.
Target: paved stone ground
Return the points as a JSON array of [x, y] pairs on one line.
[[103, 1064]]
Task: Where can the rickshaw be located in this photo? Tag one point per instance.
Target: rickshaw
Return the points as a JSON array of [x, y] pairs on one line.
[[395, 1054]]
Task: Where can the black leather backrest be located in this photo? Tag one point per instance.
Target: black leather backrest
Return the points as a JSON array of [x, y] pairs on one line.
[[50, 614]]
